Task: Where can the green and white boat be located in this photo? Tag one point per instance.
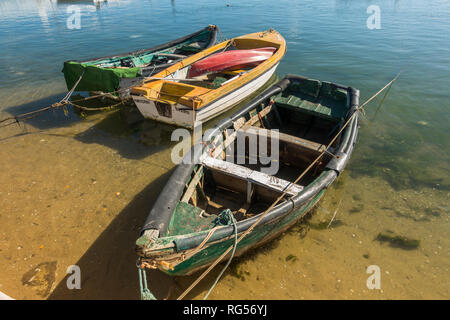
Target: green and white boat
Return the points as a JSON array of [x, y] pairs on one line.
[[194, 220], [122, 71]]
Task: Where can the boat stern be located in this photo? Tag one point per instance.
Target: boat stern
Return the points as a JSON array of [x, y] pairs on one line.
[[169, 102]]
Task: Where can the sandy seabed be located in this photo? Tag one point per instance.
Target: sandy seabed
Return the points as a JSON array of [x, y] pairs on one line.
[[78, 195]]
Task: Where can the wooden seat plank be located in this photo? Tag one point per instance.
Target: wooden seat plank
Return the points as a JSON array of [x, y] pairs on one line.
[[283, 137], [252, 176]]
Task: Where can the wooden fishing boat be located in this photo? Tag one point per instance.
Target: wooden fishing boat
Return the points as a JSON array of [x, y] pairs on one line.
[[108, 74], [207, 84], [190, 225]]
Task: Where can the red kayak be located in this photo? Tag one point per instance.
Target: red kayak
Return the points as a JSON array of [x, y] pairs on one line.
[[231, 60]]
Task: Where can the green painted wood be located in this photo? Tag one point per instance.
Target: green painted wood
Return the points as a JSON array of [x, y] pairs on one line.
[[186, 219], [316, 98], [208, 255]]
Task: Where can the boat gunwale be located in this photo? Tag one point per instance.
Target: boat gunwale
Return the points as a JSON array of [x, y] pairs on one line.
[[203, 107], [212, 40]]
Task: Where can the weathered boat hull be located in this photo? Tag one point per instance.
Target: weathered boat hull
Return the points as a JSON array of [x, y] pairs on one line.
[[182, 253], [179, 115], [97, 77], [258, 237], [173, 97]]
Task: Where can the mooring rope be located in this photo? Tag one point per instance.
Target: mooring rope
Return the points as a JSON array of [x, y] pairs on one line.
[[250, 229], [97, 109], [222, 39], [62, 103], [145, 292], [384, 97], [202, 244], [65, 101], [233, 220]]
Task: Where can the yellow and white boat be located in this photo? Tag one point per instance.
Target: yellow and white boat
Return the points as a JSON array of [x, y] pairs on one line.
[[182, 97]]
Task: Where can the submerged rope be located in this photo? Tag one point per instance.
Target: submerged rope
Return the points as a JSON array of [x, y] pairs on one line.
[[233, 220], [32, 114], [62, 103], [65, 101], [384, 97], [222, 39]]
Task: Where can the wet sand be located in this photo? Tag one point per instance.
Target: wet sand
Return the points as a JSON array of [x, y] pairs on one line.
[[77, 192], [67, 197]]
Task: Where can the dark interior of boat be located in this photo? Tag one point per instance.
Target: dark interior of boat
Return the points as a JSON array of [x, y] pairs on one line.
[[307, 116], [215, 80]]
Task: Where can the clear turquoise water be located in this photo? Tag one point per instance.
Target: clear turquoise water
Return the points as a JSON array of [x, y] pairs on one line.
[[326, 40], [408, 144]]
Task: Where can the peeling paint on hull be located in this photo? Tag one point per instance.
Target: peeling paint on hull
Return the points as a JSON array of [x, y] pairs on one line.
[[260, 235]]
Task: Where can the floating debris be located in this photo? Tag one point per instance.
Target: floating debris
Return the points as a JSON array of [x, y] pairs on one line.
[[291, 257], [324, 224], [303, 230], [41, 278], [358, 208], [433, 212], [319, 226], [237, 273]]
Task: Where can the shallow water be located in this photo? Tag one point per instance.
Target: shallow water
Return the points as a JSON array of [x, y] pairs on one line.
[[76, 191]]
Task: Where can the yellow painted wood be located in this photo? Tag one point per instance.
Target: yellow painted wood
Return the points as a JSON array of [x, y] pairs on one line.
[[233, 72], [196, 97]]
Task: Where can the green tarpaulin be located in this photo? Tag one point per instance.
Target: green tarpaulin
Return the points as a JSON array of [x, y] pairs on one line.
[[95, 78], [104, 74]]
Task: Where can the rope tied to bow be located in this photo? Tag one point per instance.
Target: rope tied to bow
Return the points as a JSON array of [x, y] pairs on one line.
[[145, 292], [226, 217], [60, 104]]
